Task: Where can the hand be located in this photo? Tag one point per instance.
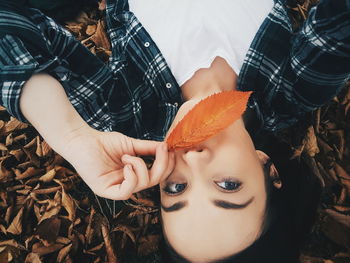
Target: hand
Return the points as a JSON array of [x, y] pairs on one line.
[[109, 164]]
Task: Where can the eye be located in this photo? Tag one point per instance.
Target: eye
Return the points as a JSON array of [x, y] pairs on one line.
[[174, 188], [229, 185]]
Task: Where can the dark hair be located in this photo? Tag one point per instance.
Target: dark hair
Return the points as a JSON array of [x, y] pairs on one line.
[[290, 210]]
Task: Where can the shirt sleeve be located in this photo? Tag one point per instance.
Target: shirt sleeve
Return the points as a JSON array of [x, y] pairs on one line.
[[320, 55], [67, 60], [17, 65]]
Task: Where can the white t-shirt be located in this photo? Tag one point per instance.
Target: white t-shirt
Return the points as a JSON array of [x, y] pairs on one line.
[[191, 33]]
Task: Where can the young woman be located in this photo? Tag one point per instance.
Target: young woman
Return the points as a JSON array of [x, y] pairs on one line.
[[166, 56]]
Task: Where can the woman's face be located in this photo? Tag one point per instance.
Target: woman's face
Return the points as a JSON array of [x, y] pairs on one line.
[[213, 202]]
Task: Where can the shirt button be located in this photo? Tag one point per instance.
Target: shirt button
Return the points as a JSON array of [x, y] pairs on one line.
[[147, 44], [168, 85]]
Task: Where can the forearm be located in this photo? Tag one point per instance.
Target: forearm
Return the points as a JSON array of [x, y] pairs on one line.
[[45, 105]]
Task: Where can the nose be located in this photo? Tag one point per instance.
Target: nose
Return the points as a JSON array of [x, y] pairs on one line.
[[196, 155]]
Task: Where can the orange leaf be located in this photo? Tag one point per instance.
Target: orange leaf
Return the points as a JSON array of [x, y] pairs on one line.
[[207, 118]]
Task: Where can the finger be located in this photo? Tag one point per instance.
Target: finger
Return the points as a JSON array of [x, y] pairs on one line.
[[121, 191], [145, 147], [171, 166], [160, 164], [140, 170]]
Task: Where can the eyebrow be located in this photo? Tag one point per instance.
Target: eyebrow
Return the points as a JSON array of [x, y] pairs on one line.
[[219, 203], [175, 207], [228, 205]]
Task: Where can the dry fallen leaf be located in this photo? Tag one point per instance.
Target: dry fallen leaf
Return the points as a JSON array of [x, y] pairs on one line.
[[47, 231], [16, 225], [311, 146], [337, 227], [48, 177], [62, 255], [33, 258]]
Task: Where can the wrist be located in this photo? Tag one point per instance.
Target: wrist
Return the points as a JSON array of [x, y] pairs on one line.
[[73, 139]]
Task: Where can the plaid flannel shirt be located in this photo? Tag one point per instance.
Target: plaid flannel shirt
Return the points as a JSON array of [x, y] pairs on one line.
[[136, 93]]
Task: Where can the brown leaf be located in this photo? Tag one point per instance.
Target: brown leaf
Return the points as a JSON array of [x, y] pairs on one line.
[[311, 146], [17, 153], [16, 225], [89, 229], [63, 253], [2, 125], [142, 201], [100, 37], [63, 240], [342, 209], [67, 203], [46, 190], [12, 243], [9, 139], [339, 140], [14, 124], [33, 258], [310, 161], [93, 250], [41, 250], [326, 149], [3, 229], [20, 137], [125, 229], [48, 177], [298, 151], [39, 150], [47, 231], [83, 18], [76, 29], [91, 29], [32, 157], [8, 214], [342, 197], [111, 255], [336, 226], [31, 144], [4, 254], [37, 212], [308, 259], [24, 165], [63, 171], [3, 147], [30, 172], [341, 172], [46, 149], [53, 207]]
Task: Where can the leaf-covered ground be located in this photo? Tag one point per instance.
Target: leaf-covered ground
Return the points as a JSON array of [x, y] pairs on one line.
[[47, 214]]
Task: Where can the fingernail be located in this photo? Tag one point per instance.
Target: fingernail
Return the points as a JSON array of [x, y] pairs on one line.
[[128, 166]]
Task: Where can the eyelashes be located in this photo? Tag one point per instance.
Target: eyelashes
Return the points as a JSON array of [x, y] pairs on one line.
[[227, 185], [174, 188]]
